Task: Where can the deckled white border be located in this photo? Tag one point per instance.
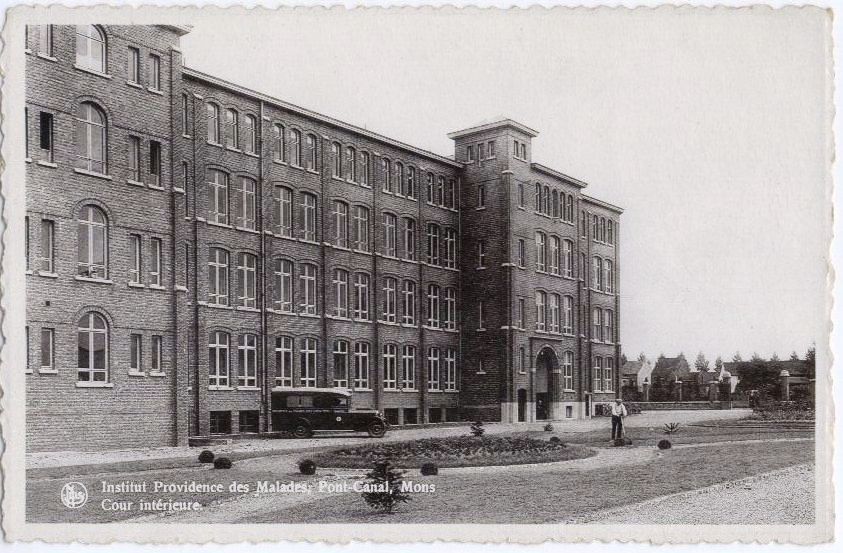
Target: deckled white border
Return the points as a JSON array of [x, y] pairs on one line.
[[12, 404]]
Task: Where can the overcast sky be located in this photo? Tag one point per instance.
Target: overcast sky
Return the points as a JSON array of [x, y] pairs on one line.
[[708, 127]]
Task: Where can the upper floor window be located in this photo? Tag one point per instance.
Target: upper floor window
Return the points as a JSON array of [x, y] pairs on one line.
[[283, 285], [307, 363], [555, 255], [93, 243], [450, 248], [433, 314], [568, 314], [451, 194], [469, 153], [608, 276], [610, 232], [361, 296], [365, 169], [450, 316], [308, 216], [91, 138], [45, 40], [390, 376], [284, 361], [408, 367], [481, 196], [597, 274], [568, 370], [541, 313], [246, 279], [491, 149], [232, 129], [93, 340], [597, 324], [410, 190], [608, 326], [351, 163], [217, 197], [307, 280], [340, 364], [247, 361], [431, 186], [408, 303], [336, 157], [433, 244], [284, 211], [555, 210], [390, 238], [568, 258], [388, 311], [218, 343], [409, 238], [246, 207], [541, 252], [250, 135], [154, 72], [217, 276], [91, 48], [279, 143], [340, 215], [400, 186], [156, 254], [386, 169], [312, 153], [155, 163], [213, 115], [361, 228], [522, 201], [522, 254], [340, 283], [185, 114], [47, 246], [133, 67], [569, 209], [296, 148], [481, 254], [553, 312]]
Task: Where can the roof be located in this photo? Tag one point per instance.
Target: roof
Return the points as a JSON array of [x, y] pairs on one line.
[[503, 122], [601, 203], [338, 391], [216, 81], [632, 367], [676, 366], [554, 173], [180, 30]]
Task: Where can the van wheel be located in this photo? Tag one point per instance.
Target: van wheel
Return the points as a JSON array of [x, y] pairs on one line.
[[376, 429], [302, 430]]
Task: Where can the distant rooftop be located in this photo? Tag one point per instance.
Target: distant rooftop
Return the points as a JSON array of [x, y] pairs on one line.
[[487, 125]]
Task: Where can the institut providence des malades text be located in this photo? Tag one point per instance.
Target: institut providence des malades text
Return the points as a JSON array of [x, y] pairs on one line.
[[192, 244]]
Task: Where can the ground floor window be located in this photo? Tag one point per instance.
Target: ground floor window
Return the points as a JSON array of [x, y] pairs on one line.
[[220, 422], [249, 422], [391, 416], [434, 414], [411, 416]]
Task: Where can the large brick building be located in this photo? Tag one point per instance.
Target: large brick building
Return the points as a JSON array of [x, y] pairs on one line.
[[192, 244]]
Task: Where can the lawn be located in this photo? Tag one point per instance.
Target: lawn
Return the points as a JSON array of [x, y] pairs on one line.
[[557, 495]]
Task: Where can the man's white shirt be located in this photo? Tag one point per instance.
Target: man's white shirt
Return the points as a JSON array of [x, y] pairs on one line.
[[619, 410]]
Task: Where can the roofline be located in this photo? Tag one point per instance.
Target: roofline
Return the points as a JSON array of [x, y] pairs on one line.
[[318, 116], [180, 30], [554, 173], [610, 207], [500, 123]]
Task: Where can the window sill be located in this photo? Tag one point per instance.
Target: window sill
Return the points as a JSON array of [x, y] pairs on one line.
[[136, 373], [216, 306], [480, 372], [279, 162], [156, 187], [480, 208], [480, 330], [480, 268], [220, 388], [569, 390], [452, 391], [434, 391], [157, 374], [178, 190], [48, 274], [180, 288], [28, 371], [49, 164], [309, 315], [215, 224], [95, 384], [94, 280], [28, 159], [249, 388], [230, 149], [92, 174], [135, 85], [137, 285], [246, 229], [91, 71], [43, 370], [217, 144], [157, 287], [391, 390], [46, 57], [186, 136], [155, 91], [134, 182], [252, 154], [249, 309]]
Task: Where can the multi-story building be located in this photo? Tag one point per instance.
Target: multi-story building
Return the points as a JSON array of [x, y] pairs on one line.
[[192, 244]]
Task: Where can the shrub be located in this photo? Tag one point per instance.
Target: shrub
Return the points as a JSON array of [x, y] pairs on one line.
[[206, 456], [548, 427], [429, 469], [556, 440], [307, 467], [633, 408], [671, 428], [477, 429], [664, 444], [222, 463], [385, 476]]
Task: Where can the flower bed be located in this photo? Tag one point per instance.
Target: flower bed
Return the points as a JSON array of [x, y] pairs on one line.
[[457, 451], [784, 411]]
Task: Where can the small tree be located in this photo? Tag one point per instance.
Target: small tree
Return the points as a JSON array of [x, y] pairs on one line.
[[477, 429], [737, 357], [385, 482], [701, 364], [671, 428]]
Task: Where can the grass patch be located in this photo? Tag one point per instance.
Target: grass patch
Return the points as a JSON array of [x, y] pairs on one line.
[[456, 451]]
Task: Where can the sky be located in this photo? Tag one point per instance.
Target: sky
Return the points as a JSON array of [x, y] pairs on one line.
[[709, 127]]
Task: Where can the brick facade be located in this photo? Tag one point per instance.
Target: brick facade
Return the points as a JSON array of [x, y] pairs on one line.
[[252, 236]]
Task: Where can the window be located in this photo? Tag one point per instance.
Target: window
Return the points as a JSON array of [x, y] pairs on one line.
[[541, 302], [451, 370], [136, 255], [408, 367], [217, 197], [390, 372], [307, 280], [308, 216], [283, 285], [481, 254], [481, 151], [312, 162], [399, 178], [155, 269], [555, 210], [247, 361], [246, 207], [555, 255], [538, 198], [609, 365], [491, 149], [48, 349], [440, 191], [340, 282], [597, 323], [340, 213], [431, 184], [217, 276], [433, 369], [185, 114], [340, 364], [135, 353], [307, 363], [568, 370], [361, 365], [93, 243], [541, 252], [602, 229], [361, 228], [90, 48], [521, 198], [516, 149], [26, 131], [47, 246], [481, 315], [595, 228], [522, 254], [279, 143], [583, 266], [608, 276], [450, 309], [521, 314], [553, 313], [91, 138], [214, 131], [157, 355], [93, 339], [336, 158], [568, 258], [523, 151], [250, 134], [386, 169], [450, 248], [481, 196], [608, 326], [284, 211], [469, 153], [361, 296], [410, 190], [597, 374], [154, 72], [246, 279], [409, 239], [390, 224], [433, 305], [597, 274], [451, 194], [218, 360], [522, 360], [154, 163], [296, 147], [388, 311], [232, 129], [134, 159], [220, 422], [568, 315], [351, 163], [366, 166], [433, 244], [546, 204], [46, 134], [610, 232], [45, 40], [408, 310], [284, 361]]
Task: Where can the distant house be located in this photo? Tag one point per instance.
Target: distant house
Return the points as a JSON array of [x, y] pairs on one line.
[[672, 379], [635, 373]]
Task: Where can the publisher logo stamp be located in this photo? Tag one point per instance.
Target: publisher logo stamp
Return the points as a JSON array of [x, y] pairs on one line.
[[74, 495]]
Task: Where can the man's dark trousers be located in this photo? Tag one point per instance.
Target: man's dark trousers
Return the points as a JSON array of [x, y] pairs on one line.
[[617, 427]]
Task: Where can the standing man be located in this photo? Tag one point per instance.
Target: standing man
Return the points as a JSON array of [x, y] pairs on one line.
[[618, 414]]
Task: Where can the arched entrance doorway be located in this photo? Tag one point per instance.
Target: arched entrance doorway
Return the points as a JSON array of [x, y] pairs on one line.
[[547, 368]]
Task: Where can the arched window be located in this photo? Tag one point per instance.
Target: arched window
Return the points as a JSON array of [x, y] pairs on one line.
[[232, 128], [307, 363], [386, 169], [568, 258], [568, 315], [340, 283], [602, 229], [388, 307], [91, 48], [283, 285], [608, 276], [351, 163], [247, 361], [433, 305], [546, 203], [246, 279], [295, 146], [312, 153], [610, 232], [390, 235], [283, 361], [597, 324], [91, 138], [433, 257], [555, 255], [361, 365], [450, 309], [92, 359], [284, 211], [597, 274], [541, 252], [307, 216], [400, 187], [217, 276], [390, 373], [217, 197], [246, 204], [411, 183], [569, 209], [366, 166], [340, 364], [556, 203], [93, 243], [279, 143], [336, 158], [340, 217], [408, 303], [553, 313], [250, 134], [213, 116], [361, 296], [307, 288], [538, 198], [541, 314]]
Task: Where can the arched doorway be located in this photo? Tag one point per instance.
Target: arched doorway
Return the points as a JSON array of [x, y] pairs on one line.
[[547, 366]]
